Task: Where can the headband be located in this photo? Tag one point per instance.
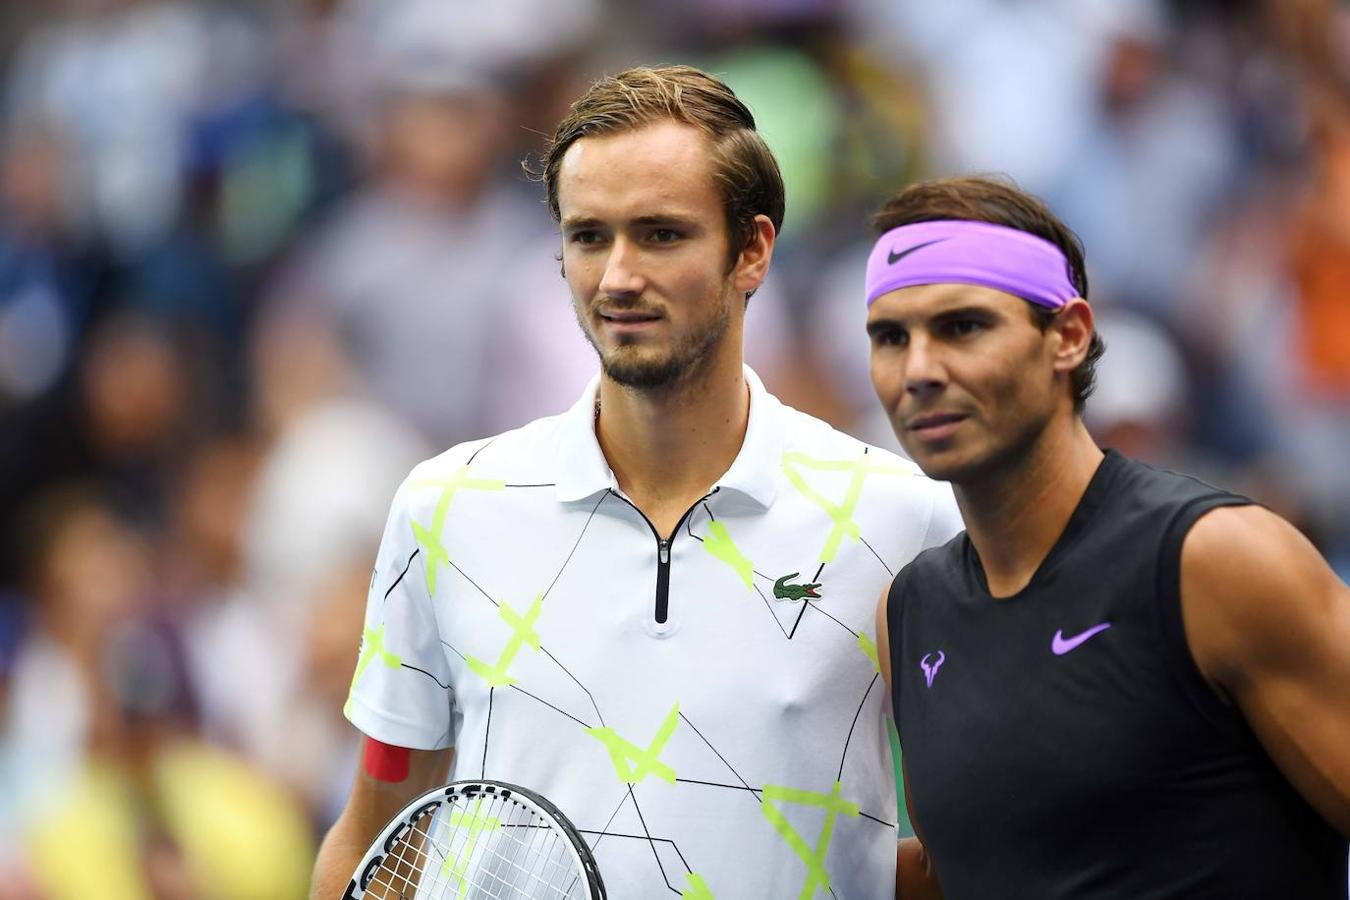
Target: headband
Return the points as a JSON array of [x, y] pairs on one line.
[[961, 252]]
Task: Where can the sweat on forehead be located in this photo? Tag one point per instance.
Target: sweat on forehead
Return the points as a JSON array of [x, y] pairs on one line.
[[963, 252]]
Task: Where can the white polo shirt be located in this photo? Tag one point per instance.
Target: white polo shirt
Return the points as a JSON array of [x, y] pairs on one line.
[[712, 729]]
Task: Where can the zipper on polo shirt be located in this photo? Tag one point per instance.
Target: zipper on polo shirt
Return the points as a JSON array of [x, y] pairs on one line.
[[662, 611]]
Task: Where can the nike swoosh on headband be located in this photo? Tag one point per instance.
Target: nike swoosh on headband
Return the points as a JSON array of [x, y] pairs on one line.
[[894, 257]]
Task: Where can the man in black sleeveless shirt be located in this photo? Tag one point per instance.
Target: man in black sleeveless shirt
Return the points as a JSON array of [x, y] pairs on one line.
[[1120, 681]]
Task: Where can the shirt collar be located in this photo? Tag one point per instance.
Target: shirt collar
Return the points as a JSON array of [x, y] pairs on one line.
[[583, 472]]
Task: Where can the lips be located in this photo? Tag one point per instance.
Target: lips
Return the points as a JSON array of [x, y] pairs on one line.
[[934, 429], [629, 316], [930, 421], [629, 324]]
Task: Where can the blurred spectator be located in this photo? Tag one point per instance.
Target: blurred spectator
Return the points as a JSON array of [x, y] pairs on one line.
[[1321, 257], [119, 81], [1012, 83], [46, 281], [1158, 154], [320, 499], [403, 281], [101, 725], [128, 412], [310, 519], [203, 576], [1140, 405], [324, 746]]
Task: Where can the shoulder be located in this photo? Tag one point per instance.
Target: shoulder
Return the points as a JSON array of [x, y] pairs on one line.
[[891, 484], [1252, 587], [527, 454], [808, 439], [1152, 486], [931, 566]]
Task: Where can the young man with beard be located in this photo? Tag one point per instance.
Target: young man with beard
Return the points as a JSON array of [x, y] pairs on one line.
[[1120, 681], [654, 609]]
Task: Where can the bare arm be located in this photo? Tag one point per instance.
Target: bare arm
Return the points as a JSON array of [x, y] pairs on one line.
[[1268, 623], [915, 876], [372, 803]]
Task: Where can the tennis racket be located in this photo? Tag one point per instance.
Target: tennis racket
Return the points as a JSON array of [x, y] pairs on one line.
[[475, 840]]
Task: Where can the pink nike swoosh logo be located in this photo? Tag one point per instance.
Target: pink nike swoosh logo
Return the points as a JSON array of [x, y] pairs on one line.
[[1061, 645]]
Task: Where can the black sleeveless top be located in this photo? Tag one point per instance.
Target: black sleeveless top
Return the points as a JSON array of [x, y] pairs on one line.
[[1062, 742]]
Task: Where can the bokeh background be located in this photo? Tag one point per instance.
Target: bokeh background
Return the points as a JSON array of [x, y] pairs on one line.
[[258, 258]]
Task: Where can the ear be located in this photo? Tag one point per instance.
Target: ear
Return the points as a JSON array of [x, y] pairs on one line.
[[1072, 327], [753, 263]]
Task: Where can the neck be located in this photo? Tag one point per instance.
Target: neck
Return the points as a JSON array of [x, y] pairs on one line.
[[1014, 515], [668, 447]]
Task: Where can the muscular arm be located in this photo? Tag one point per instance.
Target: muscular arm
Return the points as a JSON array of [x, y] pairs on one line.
[[371, 804], [915, 876], [1268, 623]]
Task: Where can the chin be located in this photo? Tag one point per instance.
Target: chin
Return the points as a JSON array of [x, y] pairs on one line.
[[936, 468], [947, 464], [642, 371]]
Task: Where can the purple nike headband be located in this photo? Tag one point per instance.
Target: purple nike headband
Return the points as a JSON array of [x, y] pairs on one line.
[[961, 252]]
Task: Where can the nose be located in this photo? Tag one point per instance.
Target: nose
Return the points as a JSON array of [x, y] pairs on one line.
[[924, 371], [622, 276]]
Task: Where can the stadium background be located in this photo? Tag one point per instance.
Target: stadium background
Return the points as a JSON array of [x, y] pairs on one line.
[[257, 258]]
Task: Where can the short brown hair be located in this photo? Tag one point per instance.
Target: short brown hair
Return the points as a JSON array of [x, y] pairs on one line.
[[978, 198], [744, 169]]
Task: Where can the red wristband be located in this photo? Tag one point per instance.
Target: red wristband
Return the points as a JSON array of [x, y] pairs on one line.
[[385, 762]]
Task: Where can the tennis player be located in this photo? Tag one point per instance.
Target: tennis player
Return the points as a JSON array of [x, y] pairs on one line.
[[1120, 681], [657, 608]]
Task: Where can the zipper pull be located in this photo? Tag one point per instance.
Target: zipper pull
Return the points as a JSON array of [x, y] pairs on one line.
[[663, 552]]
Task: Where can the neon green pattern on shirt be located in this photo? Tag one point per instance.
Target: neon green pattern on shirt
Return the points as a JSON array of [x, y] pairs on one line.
[[869, 647], [841, 513], [813, 857], [476, 823], [621, 751], [698, 888], [719, 544], [429, 538], [372, 645], [522, 633]]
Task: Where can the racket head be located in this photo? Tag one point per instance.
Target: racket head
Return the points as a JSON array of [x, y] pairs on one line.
[[481, 838]]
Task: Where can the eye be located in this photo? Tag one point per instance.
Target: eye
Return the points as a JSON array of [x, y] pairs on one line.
[[963, 327], [890, 337], [664, 235]]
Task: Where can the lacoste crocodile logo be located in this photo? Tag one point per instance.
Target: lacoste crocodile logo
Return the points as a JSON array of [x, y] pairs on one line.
[[784, 591]]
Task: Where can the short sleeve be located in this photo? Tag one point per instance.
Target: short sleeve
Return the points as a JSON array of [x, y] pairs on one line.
[[401, 692]]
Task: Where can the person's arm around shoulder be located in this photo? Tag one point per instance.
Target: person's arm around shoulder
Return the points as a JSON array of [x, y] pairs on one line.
[[372, 803], [1268, 623], [915, 876]]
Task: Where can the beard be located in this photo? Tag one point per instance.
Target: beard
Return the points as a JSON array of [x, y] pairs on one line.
[[633, 365]]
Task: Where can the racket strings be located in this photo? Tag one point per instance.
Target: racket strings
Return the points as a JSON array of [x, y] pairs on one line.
[[480, 847]]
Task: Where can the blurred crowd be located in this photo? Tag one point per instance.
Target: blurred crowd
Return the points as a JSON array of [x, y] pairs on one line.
[[259, 257]]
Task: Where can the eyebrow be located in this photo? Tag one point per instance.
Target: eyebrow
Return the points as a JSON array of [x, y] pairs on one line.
[[579, 222], [648, 220], [878, 325], [981, 312]]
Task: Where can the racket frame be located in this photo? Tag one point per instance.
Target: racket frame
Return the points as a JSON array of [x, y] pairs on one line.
[[428, 803]]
